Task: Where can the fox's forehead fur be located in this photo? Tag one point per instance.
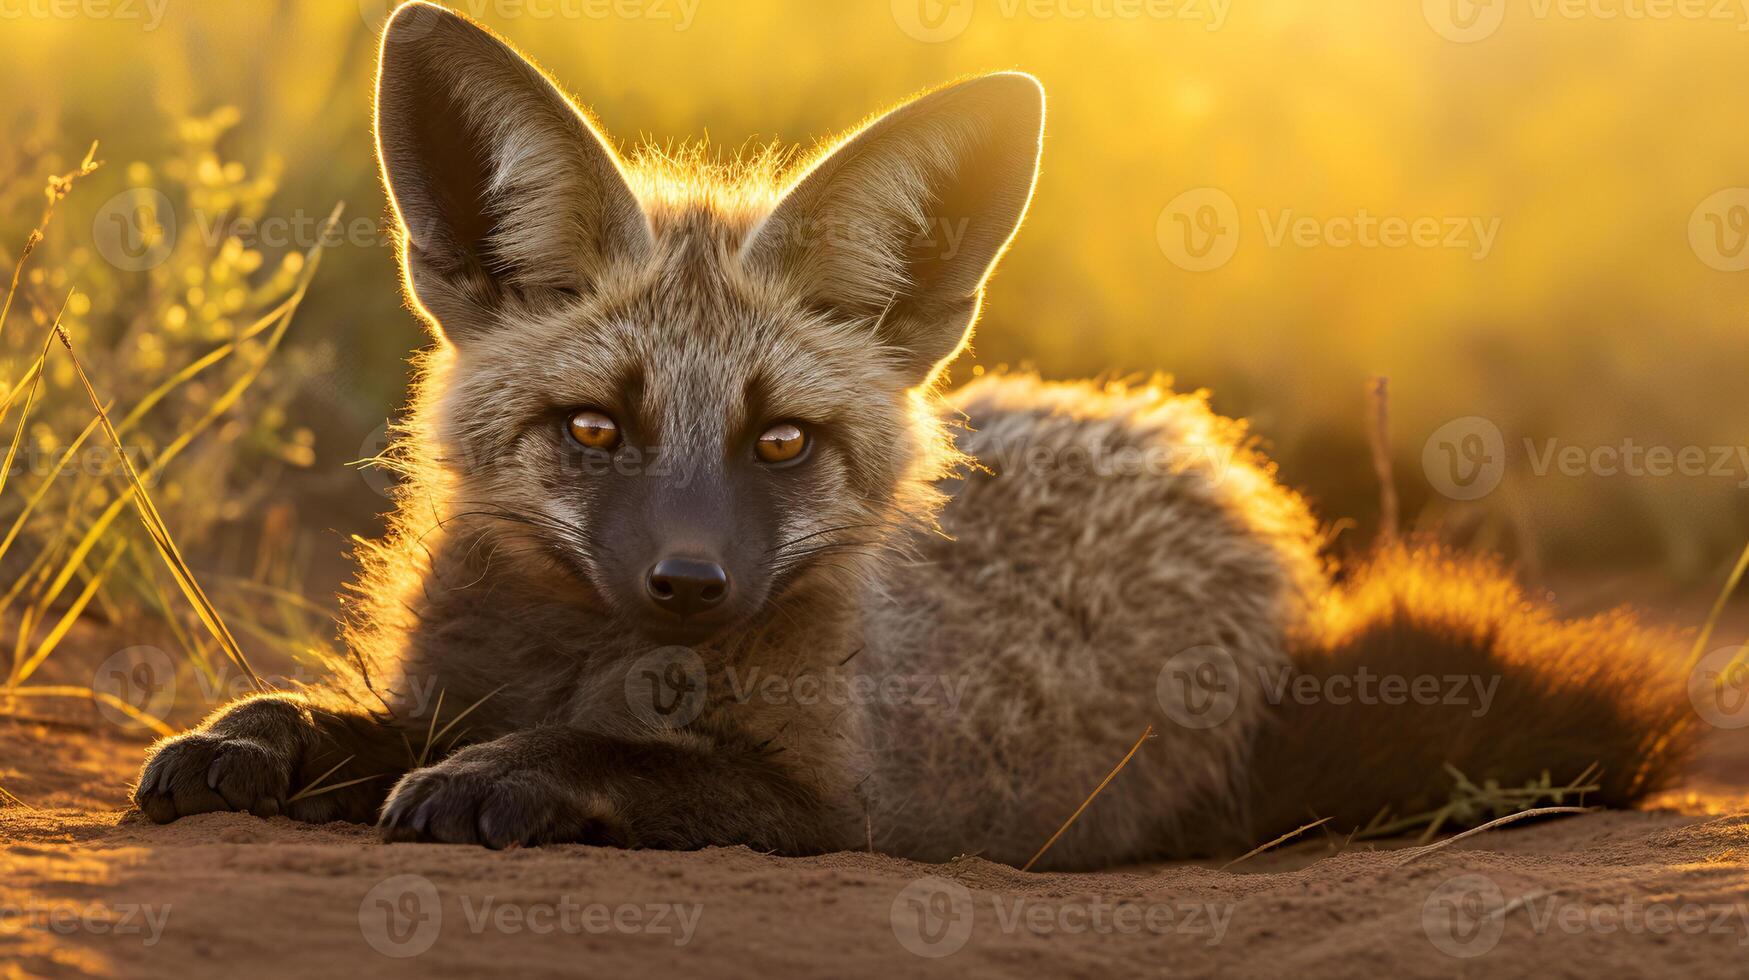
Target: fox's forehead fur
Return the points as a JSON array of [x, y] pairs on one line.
[[689, 318], [695, 184], [687, 345]]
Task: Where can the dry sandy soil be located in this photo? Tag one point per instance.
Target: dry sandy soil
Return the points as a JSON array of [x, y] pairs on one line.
[[86, 889]]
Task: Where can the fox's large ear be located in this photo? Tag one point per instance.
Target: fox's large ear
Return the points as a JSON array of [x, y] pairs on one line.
[[506, 193], [903, 221]]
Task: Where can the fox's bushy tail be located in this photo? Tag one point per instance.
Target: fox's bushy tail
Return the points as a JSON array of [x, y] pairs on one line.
[[1423, 666]]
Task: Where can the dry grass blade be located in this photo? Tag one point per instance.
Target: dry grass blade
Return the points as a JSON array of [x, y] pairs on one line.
[[72, 613], [7, 799], [1148, 733], [278, 594], [214, 356], [215, 411], [58, 188], [165, 607], [445, 730], [336, 787], [434, 735], [43, 488], [132, 418], [1259, 849], [1379, 436], [1469, 802], [36, 376], [128, 421], [11, 396], [160, 532], [157, 725], [1421, 852], [430, 732], [311, 790], [1712, 619], [317, 789]]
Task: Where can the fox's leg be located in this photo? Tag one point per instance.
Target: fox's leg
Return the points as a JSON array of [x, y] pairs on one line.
[[272, 754], [559, 785]]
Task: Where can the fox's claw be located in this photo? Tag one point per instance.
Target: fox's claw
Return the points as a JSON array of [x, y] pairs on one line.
[[203, 772], [478, 798], [246, 760]]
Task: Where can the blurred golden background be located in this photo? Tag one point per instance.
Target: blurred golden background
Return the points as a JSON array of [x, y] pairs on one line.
[[1528, 217]]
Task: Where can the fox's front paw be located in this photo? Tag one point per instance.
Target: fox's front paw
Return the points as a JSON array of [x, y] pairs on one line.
[[482, 796], [243, 760]]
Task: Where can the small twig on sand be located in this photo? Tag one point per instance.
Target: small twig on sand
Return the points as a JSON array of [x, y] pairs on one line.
[[1090, 797], [1290, 835], [1379, 434], [7, 799], [1421, 852]]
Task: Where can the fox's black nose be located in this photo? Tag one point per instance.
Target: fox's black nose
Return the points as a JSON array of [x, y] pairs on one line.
[[685, 586]]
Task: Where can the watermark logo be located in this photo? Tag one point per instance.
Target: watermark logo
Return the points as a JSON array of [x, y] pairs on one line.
[[1199, 687], [1638, 460], [135, 230], [1719, 687], [1199, 229], [140, 685], [1469, 21], [88, 460], [147, 922], [150, 13], [1282, 685], [844, 687], [1473, 234], [933, 917], [1464, 21], [143, 678], [1465, 459], [1718, 230], [571, 917], [932, 21], [402, 916], [667, 687], [1465, 916], [415, 23]]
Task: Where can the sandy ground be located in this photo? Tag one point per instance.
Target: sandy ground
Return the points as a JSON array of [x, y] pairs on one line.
[[86, 889]]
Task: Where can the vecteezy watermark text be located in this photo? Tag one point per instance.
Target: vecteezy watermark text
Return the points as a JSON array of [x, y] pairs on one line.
[[1469, 21], [65, 919], [403, 916], [1201, 687], [1200, 230], [1465, 916], [150, 13], [1465, 459], [934, 917]]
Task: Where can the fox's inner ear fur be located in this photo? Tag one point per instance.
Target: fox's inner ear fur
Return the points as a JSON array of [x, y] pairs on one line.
[[506, 193], [903, 221]]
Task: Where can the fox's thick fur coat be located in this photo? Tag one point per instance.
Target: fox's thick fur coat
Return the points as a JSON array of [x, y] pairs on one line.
[[954, 617]]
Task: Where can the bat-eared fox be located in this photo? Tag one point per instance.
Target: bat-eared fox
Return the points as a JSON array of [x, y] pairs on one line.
[[693, 546]]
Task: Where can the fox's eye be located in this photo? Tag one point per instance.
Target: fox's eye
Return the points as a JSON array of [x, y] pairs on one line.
[[782, 443], [594, 430]]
